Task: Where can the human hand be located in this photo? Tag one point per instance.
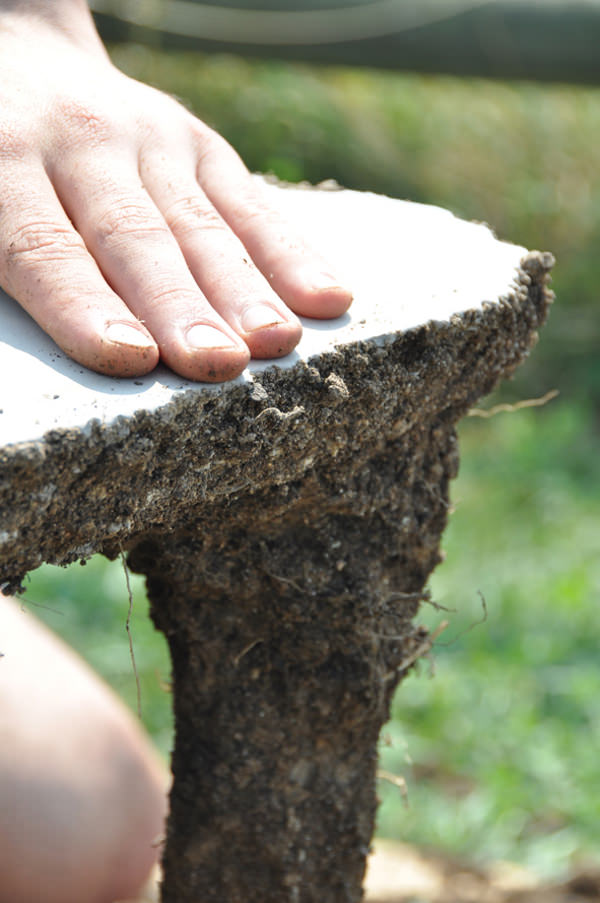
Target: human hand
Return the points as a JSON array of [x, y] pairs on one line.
[[129, 230]]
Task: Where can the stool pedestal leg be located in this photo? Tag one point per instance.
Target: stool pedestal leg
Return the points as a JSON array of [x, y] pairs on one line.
[[289, 620]]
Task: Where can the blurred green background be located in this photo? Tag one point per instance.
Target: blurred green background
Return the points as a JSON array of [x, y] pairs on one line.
[[498, 734]]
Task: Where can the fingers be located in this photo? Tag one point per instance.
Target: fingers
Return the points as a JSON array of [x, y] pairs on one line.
[[45, 265], [140, 258], [120, 259], [220, 264], [298, 274]]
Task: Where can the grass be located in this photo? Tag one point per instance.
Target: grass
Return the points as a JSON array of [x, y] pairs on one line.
[[499, 747], [88, 606]]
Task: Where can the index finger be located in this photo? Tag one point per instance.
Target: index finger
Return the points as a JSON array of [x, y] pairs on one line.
[[46, 267]]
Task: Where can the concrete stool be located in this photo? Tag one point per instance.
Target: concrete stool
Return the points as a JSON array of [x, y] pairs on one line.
[[287, 523]]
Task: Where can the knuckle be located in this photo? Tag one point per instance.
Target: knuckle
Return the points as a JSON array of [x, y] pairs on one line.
[[14, 143], [207, 141], [187, 215], [126, 220], [171, 294], [254, 211], [212, 150], [83, 121], [42, 242], [158, 116]]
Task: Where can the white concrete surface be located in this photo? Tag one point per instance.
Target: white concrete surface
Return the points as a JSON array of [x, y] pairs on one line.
[[406, 263]]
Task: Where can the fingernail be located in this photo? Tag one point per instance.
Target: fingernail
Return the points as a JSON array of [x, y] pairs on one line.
[[323, 281], [203, 336], [259, 316], [128, 334]]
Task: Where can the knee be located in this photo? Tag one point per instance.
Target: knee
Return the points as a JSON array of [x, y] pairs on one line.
[[87, 837], [82, 794]]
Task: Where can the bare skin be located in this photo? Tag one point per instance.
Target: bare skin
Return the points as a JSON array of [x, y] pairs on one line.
[[128, 229], [82, 794]]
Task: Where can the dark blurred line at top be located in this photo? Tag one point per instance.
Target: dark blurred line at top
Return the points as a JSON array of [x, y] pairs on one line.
[[537, 39]]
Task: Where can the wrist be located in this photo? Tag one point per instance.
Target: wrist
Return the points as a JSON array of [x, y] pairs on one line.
[[50, 10], [70, 19]]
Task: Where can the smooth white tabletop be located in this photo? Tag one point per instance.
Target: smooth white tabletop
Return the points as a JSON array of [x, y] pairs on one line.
[[406, 263]]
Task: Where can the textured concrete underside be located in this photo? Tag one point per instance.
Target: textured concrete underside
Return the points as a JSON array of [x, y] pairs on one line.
[[287, 525]]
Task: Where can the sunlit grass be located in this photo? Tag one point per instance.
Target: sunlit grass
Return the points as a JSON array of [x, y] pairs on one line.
[[500, 748], [89, 606]]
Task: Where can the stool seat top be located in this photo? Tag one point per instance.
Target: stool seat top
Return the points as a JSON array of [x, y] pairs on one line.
[[408, 264]]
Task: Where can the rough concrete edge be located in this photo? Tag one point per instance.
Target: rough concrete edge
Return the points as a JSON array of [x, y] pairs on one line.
[[534, 270], [530, 285]]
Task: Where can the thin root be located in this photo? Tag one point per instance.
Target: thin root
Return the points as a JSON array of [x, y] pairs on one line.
[[421, 650], [395, 779], [510, 408], [128, 629]]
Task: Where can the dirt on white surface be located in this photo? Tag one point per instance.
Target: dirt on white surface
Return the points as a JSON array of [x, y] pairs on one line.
[[399, 873]]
